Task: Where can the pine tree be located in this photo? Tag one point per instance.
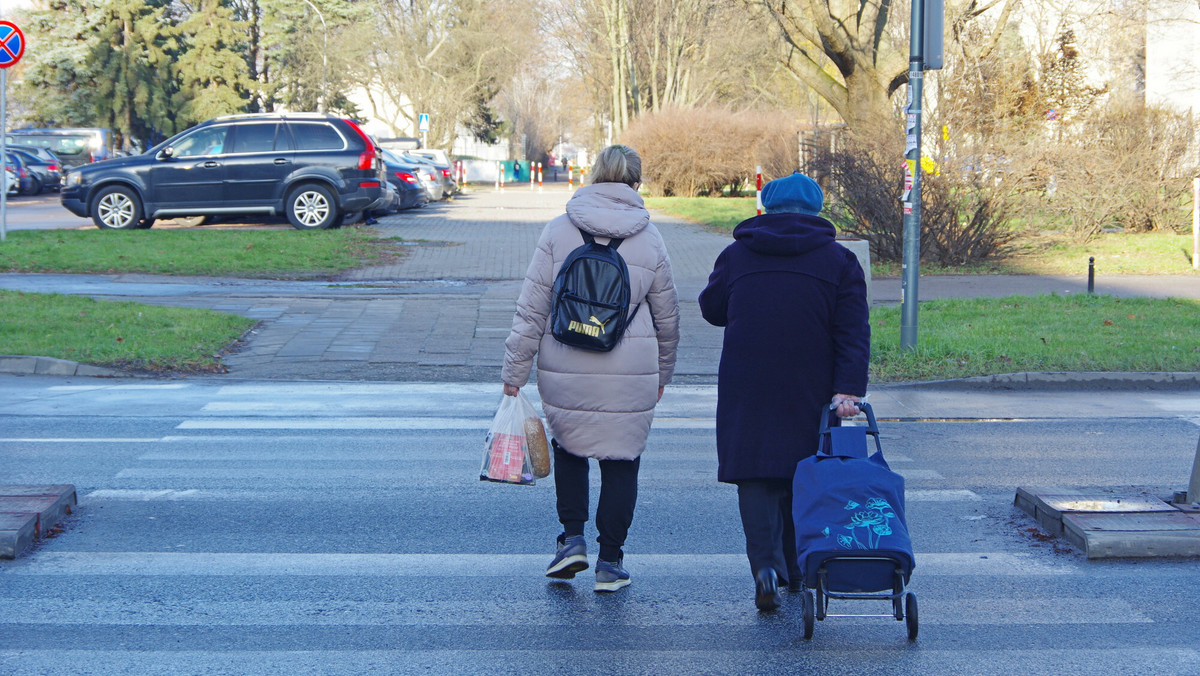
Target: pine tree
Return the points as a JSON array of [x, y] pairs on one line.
[[212, 68]]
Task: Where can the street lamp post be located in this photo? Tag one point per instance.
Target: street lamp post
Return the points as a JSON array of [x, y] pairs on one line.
[[321, 100]]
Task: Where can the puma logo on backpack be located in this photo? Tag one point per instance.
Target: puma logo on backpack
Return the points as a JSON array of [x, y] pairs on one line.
[[590, 299]]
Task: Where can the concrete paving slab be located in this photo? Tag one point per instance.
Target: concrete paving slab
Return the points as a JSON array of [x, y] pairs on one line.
[[1144, 535], [1111, 525], [16, 533], [51, 503]]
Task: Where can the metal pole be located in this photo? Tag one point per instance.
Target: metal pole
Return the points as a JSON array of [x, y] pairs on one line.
[[1091, 275], [4, 151], [912, 198]]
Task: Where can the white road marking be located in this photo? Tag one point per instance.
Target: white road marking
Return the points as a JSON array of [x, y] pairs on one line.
[[81, 440], [207, 564]]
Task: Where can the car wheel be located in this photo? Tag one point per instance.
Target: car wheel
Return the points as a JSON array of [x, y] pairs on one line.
[[312, 207], [117, 208], [37, 186]]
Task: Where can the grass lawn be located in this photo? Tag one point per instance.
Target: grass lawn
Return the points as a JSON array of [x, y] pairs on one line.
[[1047, 253], [116, 334], [272, 254], [960, 338]]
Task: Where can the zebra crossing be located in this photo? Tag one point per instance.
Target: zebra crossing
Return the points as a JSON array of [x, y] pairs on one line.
[[339, 528]]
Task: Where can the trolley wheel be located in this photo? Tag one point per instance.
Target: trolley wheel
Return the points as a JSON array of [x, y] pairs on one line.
[[910, 613], [807, 607]]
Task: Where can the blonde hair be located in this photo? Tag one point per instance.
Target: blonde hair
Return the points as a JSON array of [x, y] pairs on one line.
[[617, 164]]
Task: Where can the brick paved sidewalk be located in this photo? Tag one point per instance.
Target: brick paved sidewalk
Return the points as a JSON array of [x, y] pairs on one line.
[[460, 284]]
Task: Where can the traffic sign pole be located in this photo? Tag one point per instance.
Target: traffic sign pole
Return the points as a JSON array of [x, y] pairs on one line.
[[12, 46], [4, 152]]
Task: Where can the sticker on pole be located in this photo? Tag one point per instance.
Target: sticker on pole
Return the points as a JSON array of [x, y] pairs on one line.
[[423, 122], [12, 44]]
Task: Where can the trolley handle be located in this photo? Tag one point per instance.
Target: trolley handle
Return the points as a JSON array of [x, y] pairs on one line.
[[872, 427]]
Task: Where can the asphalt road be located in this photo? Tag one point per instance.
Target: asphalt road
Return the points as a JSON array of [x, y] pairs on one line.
[[339, 528]]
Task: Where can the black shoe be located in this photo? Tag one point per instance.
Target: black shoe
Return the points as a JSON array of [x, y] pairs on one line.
[[766, 590]]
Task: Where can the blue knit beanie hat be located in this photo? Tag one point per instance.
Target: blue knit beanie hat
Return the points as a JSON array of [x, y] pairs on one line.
[[795, 194]]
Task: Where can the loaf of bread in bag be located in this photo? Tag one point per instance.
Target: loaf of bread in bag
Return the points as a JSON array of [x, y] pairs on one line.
[[539, 448]]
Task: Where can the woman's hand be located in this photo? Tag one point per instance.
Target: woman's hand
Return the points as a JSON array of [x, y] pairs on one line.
[[660, 391], [847, 405], [511, 390]]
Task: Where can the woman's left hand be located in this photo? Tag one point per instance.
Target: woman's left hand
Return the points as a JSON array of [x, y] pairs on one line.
[[511, 390]]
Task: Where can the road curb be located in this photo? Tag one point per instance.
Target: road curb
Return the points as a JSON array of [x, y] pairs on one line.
[[49, 366], [1055, 380]]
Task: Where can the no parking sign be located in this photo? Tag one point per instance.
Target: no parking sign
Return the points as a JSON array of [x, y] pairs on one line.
[[12, 46]]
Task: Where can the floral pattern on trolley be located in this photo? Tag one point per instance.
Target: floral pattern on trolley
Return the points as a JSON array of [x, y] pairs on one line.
[[868, 524]]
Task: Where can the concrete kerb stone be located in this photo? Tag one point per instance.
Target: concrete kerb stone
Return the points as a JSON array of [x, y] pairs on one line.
[[50, 366]]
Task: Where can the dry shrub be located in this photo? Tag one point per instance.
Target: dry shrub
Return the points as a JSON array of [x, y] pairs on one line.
[[963, 209], [701, 151], [1128, 166]]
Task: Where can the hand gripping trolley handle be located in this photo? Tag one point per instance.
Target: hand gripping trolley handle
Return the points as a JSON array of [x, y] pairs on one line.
[[851, 538]]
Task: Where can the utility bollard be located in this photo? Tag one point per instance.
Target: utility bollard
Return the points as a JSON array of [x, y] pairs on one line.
[[539, 176], [570, 176], [499, 173], [758, 189], [1091, 274]]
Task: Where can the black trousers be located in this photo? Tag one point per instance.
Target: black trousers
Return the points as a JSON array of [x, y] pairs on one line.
[[766, 508], [618, 496]]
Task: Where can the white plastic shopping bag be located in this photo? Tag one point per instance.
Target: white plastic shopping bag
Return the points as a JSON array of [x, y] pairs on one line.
[[516, 451]]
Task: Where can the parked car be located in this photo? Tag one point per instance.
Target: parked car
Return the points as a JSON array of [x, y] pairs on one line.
[[24, 177], [445, 185], [74, 147], [11, 184], [444, 170], [313, 168], [44, 154], [46, 175], [411, 190]]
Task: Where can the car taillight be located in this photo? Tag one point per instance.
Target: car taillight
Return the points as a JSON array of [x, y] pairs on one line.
[[446, 173], [369, 184], [51, 167], [24, 172], [406, 177], [366, 159]]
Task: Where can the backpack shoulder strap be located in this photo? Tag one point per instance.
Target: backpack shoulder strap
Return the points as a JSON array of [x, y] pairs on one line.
[[589, 239]]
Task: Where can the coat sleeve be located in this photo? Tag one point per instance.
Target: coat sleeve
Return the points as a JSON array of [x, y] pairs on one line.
[[533, 311], [664, 307], [851, 331], [714, 299]]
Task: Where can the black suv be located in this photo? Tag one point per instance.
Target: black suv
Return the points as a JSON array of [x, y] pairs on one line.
[[312, 167]]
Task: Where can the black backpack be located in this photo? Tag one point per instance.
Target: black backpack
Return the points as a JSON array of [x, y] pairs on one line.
[[589, 306]]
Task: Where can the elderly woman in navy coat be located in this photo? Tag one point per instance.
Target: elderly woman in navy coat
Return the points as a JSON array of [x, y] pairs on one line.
[[797, 340]]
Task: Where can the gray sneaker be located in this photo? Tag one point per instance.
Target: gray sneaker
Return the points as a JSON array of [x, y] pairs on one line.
[[570, 559], [611, 575]]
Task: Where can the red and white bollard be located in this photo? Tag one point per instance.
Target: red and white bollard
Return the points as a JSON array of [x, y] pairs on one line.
[[531, 172], [570, 176], [758, 193], [539, 175]]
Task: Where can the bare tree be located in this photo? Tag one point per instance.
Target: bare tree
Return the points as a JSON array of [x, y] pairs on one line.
[[854, 53], [442, 59]]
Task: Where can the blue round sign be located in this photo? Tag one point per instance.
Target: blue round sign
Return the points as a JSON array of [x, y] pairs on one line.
[[12, 44]]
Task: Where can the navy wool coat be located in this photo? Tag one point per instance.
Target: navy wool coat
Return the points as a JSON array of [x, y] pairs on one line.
[[794, 306]]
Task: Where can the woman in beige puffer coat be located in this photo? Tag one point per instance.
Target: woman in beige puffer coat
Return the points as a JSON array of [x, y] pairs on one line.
[[598, 404]]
